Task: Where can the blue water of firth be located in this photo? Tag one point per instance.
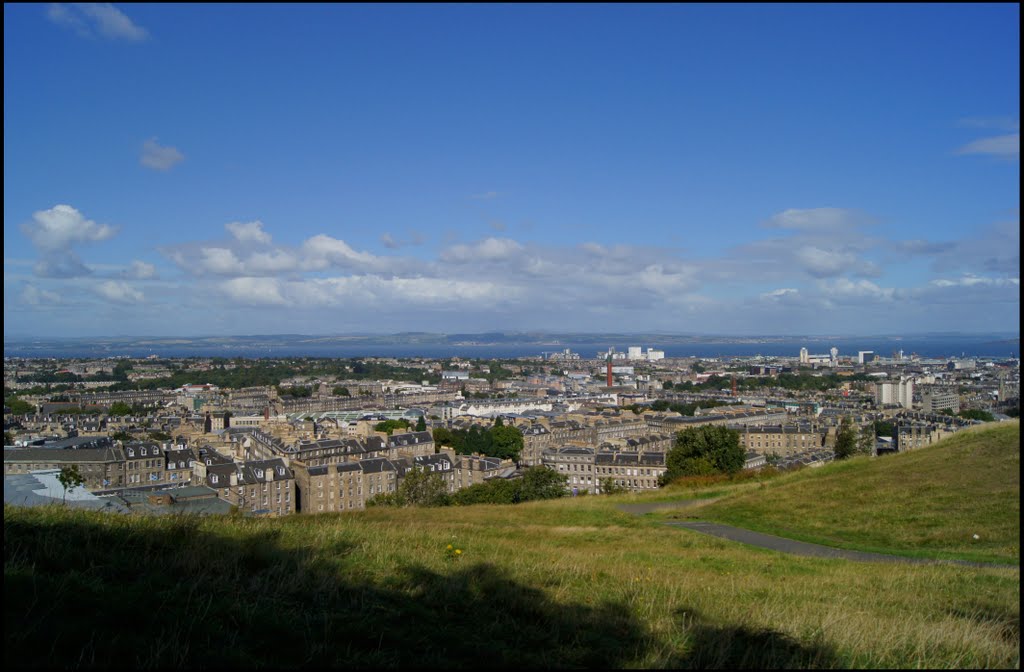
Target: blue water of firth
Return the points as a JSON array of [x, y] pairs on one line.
[[928, 348]]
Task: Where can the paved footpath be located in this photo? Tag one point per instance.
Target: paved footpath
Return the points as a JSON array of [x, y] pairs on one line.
[[782, 544]]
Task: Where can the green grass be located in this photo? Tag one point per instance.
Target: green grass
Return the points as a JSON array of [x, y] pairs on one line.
[[925, 503], [566, 583]]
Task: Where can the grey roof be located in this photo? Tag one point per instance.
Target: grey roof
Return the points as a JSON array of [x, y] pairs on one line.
[[375, 465], [68, 455], [409, 439], [77, 443], [39, 488]]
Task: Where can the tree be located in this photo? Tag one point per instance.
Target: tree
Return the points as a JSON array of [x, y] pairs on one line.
[[884, 428], [610, 487], [340, 391], [701, 451], [506, 442], [19, 407], [498, 422], [421, 424], [976, 414], [8, 439], [418, 488], [390, 426], [866, 440], [120, 408], [542, 483], [69, 478], [443, 436], [846, 440]]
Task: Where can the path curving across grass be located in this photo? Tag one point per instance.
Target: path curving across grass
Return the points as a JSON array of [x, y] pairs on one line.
[[956, 500]]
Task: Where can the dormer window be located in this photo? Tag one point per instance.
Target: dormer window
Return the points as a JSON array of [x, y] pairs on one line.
[[131, 453], [213, 479], [259, 473]]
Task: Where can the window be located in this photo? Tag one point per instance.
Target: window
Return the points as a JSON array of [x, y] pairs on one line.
[[213, 479]]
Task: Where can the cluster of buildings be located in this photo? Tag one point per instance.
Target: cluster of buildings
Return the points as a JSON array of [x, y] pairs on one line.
[[201, 447]]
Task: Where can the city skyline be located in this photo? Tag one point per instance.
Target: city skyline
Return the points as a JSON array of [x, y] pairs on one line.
[[339, 169]]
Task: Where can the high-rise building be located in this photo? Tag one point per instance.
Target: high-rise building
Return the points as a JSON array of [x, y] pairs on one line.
[[804, 356]]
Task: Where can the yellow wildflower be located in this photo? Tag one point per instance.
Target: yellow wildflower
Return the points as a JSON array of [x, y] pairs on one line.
[[458, 551]]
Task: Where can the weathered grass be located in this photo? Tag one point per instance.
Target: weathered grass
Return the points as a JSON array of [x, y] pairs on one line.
[[572, 583], [926, 503]]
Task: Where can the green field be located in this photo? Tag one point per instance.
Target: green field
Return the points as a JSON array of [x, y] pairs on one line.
[[925, 503], [564, 583]]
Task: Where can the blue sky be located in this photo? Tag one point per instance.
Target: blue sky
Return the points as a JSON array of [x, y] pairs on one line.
[[746, 169]]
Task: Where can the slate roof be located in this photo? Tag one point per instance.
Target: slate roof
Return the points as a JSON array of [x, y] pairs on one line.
[[40, 488]]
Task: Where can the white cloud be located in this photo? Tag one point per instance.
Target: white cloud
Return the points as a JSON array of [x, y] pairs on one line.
[[248, 232], [61, 264], [254, 291], [158, 157], [824, 263], [818, 219], [269, 263], [62, 226], [490, 249], [844, 288], [92, 19], [119, 292], [392, 243], [140, 270], [975, 281], [1005, 146], [779, 293], [220, 260], [35, 296], [323, 251]]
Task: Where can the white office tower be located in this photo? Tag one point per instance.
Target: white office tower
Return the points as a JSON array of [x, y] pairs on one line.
[[635, 352], [654, 355], [834, 353], [804, 356], [905, 392], [901, 393]]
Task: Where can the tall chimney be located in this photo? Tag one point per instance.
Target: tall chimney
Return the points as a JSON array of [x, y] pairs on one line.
[[609, 370]]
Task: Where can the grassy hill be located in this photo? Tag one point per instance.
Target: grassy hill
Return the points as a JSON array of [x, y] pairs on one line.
[[925, 503], [567, 583]]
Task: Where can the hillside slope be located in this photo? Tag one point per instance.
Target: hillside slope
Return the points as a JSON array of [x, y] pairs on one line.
[[568, 583], [959, 498]]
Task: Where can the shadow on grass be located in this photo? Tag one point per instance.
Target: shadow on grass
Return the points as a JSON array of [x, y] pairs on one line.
[[735, 647], [1003, 621], [85, 592], [94, 591]]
